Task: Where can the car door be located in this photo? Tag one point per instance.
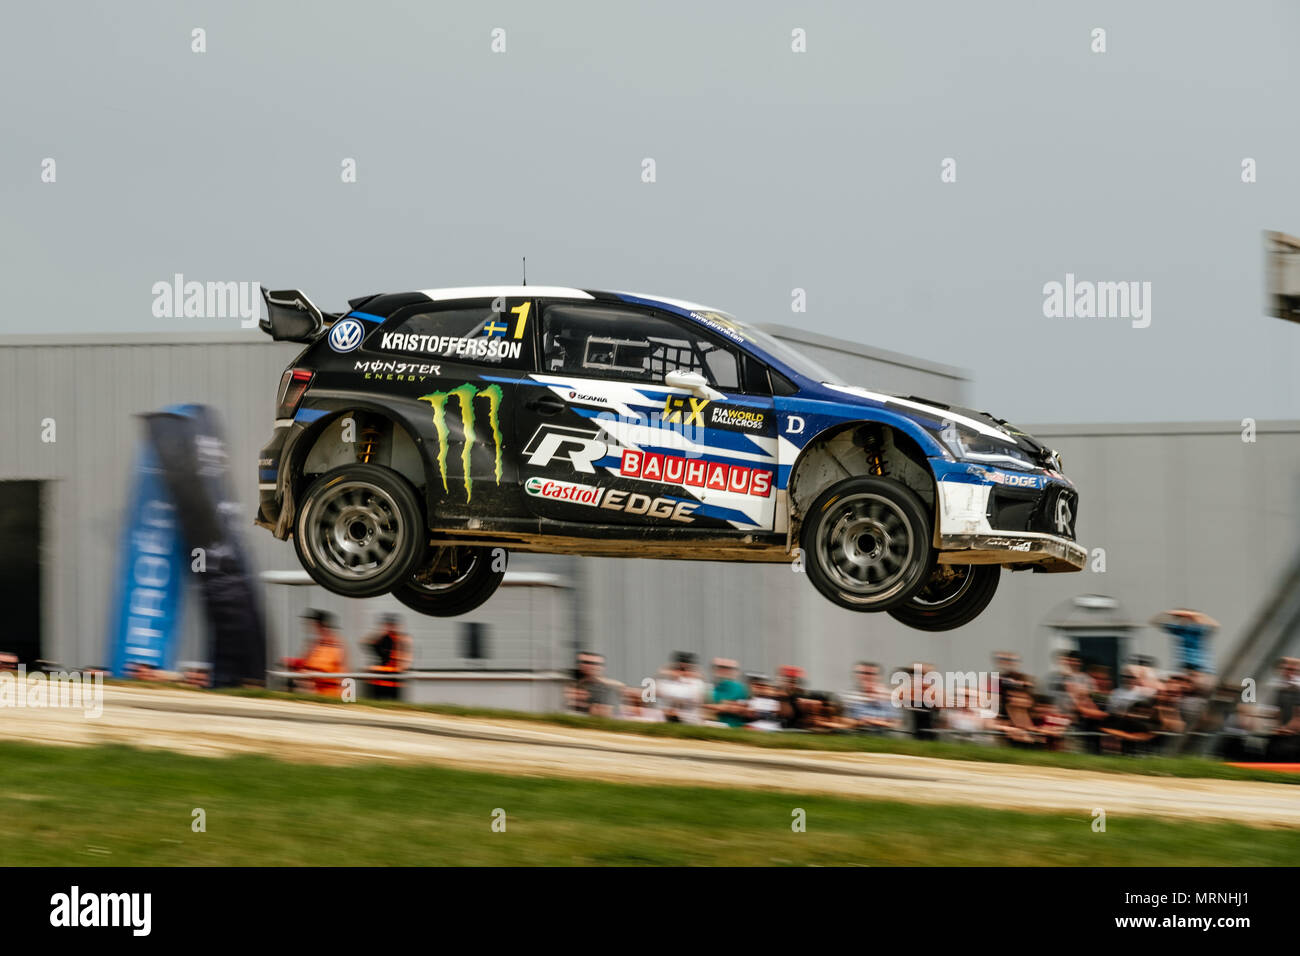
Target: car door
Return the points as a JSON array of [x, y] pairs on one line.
[[638, 417], [460, 362]]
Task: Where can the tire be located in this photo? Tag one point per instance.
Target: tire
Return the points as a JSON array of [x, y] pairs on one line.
[[360, 530], [451, 581], [954, 595], [866, 543]]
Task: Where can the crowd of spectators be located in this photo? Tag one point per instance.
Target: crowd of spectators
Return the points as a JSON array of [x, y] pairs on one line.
[[1074, 707]]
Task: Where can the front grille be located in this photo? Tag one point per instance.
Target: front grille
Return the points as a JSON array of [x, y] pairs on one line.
[[1016, 509], [1059, 512]]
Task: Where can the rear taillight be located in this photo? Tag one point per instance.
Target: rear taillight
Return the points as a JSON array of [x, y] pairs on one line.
[[293, 383]]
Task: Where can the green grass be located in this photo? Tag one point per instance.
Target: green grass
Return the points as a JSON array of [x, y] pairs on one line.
[[839, 743], [117, 806]]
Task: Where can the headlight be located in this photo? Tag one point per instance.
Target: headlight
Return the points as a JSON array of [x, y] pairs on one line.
[[969, 445]]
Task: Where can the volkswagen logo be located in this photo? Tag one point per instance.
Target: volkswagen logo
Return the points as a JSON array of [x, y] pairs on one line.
[[346, 335], [1064, 516]]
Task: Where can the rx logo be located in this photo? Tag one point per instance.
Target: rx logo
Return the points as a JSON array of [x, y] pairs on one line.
[[1064, 516], [677, 406], [346, 335]]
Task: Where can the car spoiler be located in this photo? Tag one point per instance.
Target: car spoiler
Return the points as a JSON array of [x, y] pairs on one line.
[[292, 317]]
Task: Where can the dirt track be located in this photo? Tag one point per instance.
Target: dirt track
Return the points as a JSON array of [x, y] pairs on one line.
[[212, 725]]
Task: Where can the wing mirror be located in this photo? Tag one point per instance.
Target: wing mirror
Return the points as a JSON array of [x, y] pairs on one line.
[[691, 381]]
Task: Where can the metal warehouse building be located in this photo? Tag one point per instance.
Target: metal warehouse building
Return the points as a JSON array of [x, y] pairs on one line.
[[1186, 515]]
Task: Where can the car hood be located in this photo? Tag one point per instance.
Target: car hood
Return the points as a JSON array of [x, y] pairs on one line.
[[929, 408]]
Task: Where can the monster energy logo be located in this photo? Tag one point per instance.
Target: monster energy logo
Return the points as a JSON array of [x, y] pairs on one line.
[[465, 395]]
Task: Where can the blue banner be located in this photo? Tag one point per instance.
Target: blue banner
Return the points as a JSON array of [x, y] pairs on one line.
[[152, 576]]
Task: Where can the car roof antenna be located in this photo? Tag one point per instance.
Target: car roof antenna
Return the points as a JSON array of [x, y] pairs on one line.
[[525, 259]]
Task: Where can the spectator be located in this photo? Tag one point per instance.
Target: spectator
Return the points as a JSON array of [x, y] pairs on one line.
[[1284, 742], [196, 674], [923, 699], [868, 707], [1168, 712], [823, 713], [591, 692], [392, 648], [764, 704], [791, 694], [964, 718], [729, 695], [1010, 677], [1049, 723], [1018, 726], [1131, 715], [1076, 697], [634, 708], [325, 652], [1103, 681], [681, 692]]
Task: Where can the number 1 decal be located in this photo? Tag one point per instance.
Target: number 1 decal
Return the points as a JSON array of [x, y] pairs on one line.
[[522, 312]]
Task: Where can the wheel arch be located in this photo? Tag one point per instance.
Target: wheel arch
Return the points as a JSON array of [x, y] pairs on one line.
[[319, 447], [853, 448]]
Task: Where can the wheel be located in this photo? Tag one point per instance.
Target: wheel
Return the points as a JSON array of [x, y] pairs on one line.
[[866, 542], [360, 530], [954, 595], [452, 581]]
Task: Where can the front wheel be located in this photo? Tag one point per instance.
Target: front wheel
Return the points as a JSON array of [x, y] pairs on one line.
[[453, 581], [359, 530], [867, 543], [954, 595]]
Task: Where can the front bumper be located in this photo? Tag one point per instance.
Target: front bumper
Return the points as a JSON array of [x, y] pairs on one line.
[[1014, 518], [1042, 552]]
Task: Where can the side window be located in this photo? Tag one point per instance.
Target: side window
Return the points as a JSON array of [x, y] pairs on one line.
[[476, 334], [599, 341]]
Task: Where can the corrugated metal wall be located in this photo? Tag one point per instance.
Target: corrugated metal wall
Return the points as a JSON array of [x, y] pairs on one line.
[[93, 388], [1188, 514]]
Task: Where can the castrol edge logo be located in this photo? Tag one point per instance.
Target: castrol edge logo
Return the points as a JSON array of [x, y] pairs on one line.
[[563, 491], [611, 499]]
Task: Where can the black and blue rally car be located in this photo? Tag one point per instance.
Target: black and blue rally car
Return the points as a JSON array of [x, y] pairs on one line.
[[420, 436]]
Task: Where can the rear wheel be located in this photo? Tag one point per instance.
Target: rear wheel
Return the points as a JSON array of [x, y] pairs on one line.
[[453, 581], [359, 530], [954, 595], [866, 542]]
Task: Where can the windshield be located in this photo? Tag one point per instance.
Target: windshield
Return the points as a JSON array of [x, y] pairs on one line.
[[787, 355]]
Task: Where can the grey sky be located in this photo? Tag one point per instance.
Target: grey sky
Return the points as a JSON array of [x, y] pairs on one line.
[[775, 170]]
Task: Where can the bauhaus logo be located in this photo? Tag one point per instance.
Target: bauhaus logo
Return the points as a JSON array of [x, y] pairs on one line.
[[466, 395], [346, 335], [693, 472]]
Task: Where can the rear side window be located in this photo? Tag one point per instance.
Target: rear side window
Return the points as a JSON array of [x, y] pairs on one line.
[[473, 334], [614, 343]]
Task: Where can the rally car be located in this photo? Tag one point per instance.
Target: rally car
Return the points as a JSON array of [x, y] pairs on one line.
[[420, 436]]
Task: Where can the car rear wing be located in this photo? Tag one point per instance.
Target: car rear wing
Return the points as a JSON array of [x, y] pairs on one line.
[[292, 317]]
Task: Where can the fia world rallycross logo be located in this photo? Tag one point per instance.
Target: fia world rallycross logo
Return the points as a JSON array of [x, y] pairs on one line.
[[465, 396], [346, 335]]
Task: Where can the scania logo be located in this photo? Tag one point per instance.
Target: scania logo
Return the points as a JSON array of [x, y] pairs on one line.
[[1064, 516], [346, 335]]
